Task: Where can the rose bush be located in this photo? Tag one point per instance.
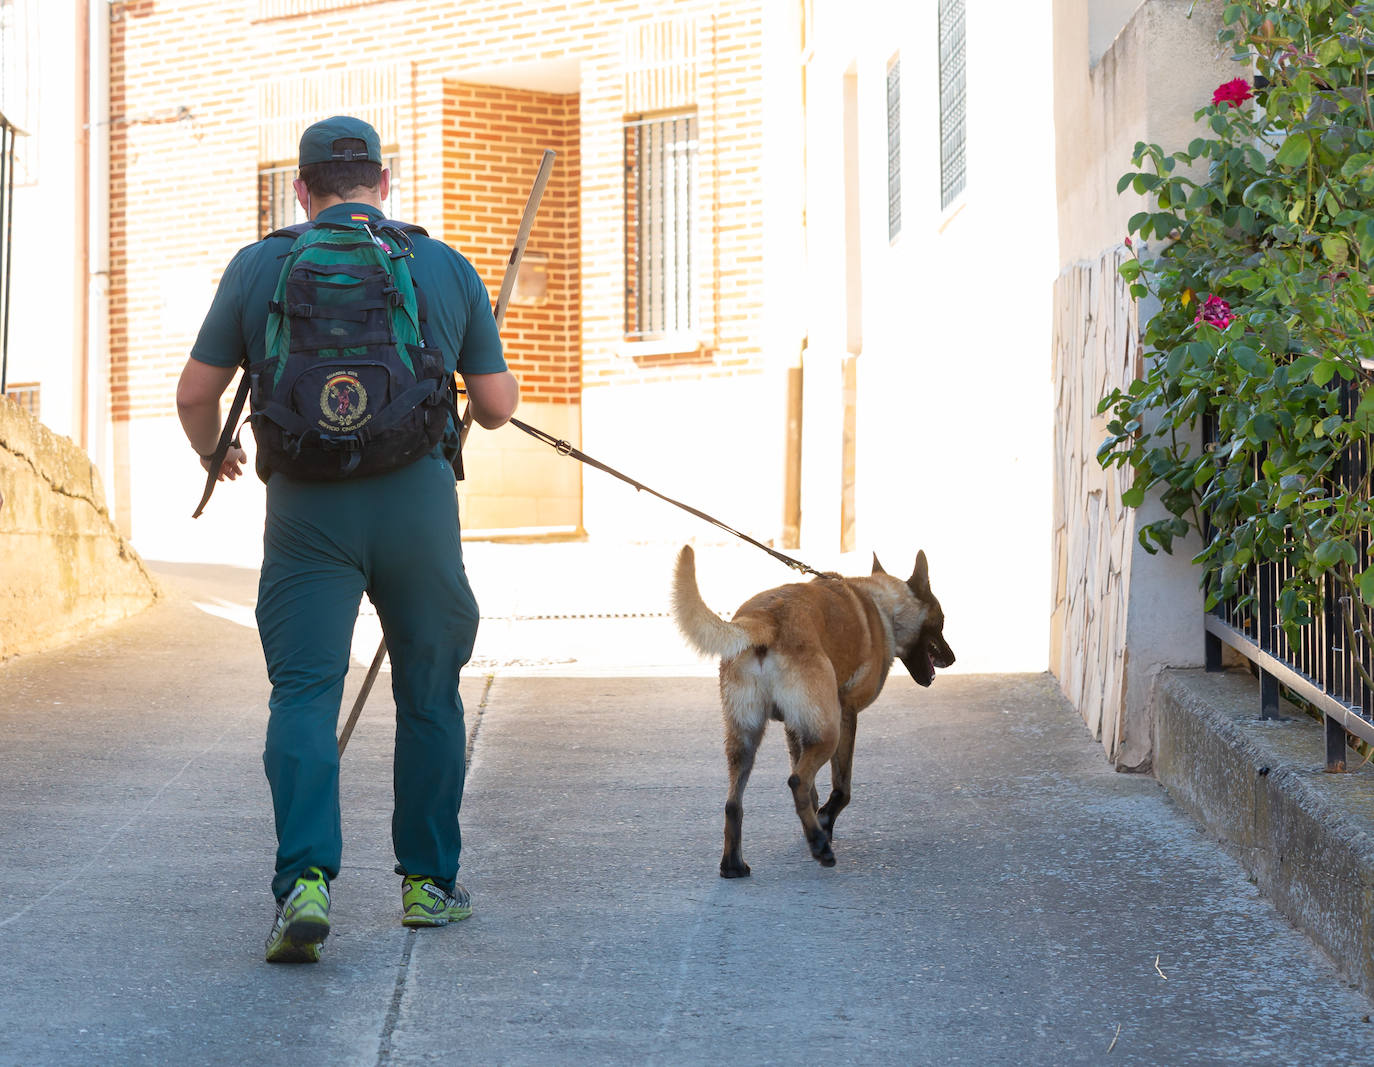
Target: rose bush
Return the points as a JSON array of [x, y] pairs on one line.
[[1257, 250]]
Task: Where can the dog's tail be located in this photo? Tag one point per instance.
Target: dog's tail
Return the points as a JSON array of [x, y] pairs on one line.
[[705, 631]]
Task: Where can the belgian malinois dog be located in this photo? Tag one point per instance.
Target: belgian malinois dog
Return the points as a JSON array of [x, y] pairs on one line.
[[811, 655]]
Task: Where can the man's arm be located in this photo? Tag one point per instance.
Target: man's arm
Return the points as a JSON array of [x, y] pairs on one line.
[[198, 394], [493, 397]]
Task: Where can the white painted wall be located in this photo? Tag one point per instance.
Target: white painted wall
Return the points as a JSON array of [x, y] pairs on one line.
[[40, 94], [954, 404]]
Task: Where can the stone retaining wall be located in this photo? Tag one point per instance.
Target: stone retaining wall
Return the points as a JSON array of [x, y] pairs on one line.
[[64, 569]]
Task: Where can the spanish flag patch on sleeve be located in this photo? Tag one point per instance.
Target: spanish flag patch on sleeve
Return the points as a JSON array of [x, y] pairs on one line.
[[358, 218]]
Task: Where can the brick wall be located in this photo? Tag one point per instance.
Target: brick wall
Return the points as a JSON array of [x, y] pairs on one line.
[[494, 139], [193, 121]]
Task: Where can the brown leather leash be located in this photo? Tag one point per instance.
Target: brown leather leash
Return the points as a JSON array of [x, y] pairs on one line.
[[563, 448]]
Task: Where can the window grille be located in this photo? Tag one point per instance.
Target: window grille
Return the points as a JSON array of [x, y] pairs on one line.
[[953, 101], [277, 203], [660, 176], [894, 151]]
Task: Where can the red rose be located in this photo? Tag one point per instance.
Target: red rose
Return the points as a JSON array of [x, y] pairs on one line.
[[1236, 91], [1215, 312]]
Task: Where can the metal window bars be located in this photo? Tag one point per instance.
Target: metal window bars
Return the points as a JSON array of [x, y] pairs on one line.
[[894, 150], [277, 204], [660, 169], [953, 101]]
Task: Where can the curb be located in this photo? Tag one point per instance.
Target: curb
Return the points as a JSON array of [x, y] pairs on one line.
[[1305, 836]]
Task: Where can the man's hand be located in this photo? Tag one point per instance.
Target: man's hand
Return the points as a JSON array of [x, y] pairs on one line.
[[232, 466]]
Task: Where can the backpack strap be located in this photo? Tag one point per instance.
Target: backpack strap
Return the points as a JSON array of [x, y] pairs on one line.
[[299, 228]]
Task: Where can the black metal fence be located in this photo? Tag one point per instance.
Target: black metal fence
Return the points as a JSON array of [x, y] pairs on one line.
[[1329, 663]]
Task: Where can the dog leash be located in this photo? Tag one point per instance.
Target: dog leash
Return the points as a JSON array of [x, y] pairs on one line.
[[563, 448]]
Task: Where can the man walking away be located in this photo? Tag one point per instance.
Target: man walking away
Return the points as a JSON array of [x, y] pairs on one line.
[[348, 515]]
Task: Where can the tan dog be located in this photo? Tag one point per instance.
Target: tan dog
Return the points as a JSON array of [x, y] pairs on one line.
[[812, 655]]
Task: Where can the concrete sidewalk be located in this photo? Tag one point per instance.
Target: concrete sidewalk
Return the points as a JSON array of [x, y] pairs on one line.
[[1001, 896]]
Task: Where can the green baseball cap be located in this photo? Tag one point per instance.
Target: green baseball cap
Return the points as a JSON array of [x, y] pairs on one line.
[[317, 142]]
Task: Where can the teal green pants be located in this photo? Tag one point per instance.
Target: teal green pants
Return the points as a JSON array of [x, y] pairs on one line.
[[394, 537]]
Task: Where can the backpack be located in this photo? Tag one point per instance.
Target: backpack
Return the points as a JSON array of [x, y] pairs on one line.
[[347, 387]]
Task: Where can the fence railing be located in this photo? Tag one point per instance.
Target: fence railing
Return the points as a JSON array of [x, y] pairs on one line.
[[1329, 662]]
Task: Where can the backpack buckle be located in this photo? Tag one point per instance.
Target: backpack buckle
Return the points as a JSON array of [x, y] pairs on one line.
[[340, 442], [300, 311]]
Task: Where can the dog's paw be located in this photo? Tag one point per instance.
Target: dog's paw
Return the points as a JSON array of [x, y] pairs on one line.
[[734, 870], [820, 848]]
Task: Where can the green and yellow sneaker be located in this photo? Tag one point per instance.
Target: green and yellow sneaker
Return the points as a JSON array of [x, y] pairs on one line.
[[426, 904], [302, 920]]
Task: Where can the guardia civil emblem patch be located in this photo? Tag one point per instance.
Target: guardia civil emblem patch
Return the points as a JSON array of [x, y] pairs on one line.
[[343, 402]]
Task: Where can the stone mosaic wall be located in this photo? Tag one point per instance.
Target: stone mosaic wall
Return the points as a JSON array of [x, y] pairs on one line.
[[1096, 348]]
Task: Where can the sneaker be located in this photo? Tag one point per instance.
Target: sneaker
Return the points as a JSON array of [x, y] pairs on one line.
[[426, 904], [302, 920]]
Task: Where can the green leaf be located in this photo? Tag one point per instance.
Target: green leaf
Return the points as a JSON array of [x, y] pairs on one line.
[[1328, 554], [1329, 51], [1336, 251], [1246, 358], [1294, 151], [1275, 337], [1123, 182], [1263, 426], [1133, 497], [1364, 414], [1367, 585], [1354, 164]]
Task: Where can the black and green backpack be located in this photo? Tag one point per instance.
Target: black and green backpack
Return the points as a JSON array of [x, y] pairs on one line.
[[347, 387]]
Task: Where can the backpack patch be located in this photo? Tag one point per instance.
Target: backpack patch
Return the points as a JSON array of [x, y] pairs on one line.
[[347, 387]]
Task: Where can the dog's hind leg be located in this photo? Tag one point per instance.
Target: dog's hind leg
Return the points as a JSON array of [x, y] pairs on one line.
[[810, 706], [803, 785], [741, 745], [794, 748], [841, 771]]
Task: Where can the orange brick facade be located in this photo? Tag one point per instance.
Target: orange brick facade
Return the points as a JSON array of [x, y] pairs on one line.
[[493, 141], [196, 85], [186, 148]]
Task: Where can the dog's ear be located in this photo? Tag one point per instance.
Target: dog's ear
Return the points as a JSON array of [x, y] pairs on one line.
[[920, 577], [877, 567]]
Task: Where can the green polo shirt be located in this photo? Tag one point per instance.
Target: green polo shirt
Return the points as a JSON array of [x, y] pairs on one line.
[[459, 322]]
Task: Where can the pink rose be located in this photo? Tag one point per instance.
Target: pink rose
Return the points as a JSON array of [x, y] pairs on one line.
[[1215, 312], [1236, 91]]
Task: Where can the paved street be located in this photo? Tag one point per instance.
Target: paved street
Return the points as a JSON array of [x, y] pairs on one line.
[[1001, 895]]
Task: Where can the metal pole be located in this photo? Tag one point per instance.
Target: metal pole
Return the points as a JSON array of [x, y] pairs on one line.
[[522, 235], [5, 189], [9, 246]]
